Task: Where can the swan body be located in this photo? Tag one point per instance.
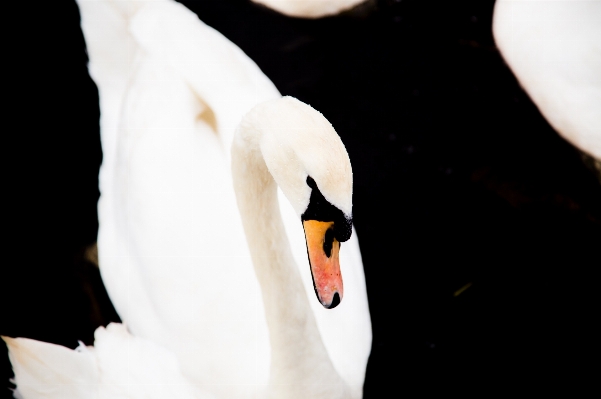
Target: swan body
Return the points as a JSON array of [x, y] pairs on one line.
[[309, 8], [118, 366], [172, 248], [554, 49], [281, 142]]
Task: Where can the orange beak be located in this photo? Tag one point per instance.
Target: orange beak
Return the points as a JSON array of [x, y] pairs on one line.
[[323, 250]]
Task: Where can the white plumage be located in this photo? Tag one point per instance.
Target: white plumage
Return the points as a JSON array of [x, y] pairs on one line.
[[119, 366], [309, 8], [554, 49], [172, 250]]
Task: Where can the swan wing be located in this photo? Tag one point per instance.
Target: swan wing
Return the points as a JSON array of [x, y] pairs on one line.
[[172, 251], [112, 53], [118, 366], [224, 78], [132, 367], [49, 371]]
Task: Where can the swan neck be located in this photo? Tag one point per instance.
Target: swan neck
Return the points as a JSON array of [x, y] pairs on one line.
[[256, 192], [298, 355]]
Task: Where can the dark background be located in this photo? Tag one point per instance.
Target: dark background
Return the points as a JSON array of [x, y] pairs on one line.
[[459, 183]]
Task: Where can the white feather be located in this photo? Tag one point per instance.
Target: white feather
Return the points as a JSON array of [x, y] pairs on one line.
[[554, 49], [119, 366]]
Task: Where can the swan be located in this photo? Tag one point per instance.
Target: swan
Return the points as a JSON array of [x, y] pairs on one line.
[[309, 8], [173, 253], [281, 142], [554, 50]]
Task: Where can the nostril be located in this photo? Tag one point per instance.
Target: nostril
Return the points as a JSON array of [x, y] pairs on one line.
[[328, 242], [335, 301]]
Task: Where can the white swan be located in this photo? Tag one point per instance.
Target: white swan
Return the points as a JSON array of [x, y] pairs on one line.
[[309, 8], [171, 243], [554, 49], [281, 141]]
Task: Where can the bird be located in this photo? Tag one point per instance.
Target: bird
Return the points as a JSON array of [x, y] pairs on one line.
[[309, 8], [173, 253], [554, 50], [283, 142]]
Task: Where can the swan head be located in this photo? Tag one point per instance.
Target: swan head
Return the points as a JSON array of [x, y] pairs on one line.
[[306, 158], [326, 227]]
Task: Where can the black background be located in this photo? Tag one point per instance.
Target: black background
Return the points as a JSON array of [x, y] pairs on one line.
[[459, 182]]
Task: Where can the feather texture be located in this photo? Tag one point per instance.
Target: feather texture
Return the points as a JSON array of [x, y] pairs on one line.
[[118, 366]]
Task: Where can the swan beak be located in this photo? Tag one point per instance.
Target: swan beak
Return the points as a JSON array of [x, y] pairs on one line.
[[323, 250]]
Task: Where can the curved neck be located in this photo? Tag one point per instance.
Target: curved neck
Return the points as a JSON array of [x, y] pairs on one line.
[[300, 364]]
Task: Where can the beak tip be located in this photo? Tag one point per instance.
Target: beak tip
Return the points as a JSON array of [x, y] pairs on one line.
[[335, 302]]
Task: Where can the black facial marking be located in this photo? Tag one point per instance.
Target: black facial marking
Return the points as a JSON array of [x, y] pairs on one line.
[[328, 242], [321, 210]]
